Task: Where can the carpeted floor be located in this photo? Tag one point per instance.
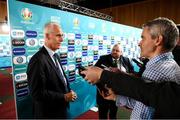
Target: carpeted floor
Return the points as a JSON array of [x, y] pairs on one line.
[[7, 106]]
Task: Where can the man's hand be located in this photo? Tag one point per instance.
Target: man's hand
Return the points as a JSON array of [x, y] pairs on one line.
[[110, 96], [114, 69], [92, 74], [71, 96]]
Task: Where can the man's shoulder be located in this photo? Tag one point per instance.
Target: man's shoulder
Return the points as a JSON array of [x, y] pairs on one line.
[[38, 55], [105, 56]]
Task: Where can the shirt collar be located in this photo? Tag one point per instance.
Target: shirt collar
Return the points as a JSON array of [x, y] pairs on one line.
[[164, 56], [50, 52]]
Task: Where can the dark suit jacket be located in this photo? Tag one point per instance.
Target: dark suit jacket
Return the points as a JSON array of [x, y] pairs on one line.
[[46, 87], [164, 97], [108, 61]]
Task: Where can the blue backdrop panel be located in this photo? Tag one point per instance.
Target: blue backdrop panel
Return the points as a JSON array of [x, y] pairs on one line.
[[5, 51], [85, 39]]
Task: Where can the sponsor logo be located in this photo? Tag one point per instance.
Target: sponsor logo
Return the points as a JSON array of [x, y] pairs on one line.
[[64, 62], [84, 59], [100, 47], [104, 37], [20, 77], [90, 63], [16, 42], [112, 37], [22, 92], [78, 36], [71, 48], [78, 54], [71, 73], [41, 42], [100, 42], [26, 14], [95, 37], [95, 57], [90, 42], [84, 42], [77, 42], [17, 34], [63, 55], [19, 51], [31, 34], [90, 36], [63, 49], [71, 55], [105, 42], [76, 22], [19, 60], [90, 47], [21, 85], [70, 42], [84, 53], [71, 79], [96, 48], [84, 47], [78, 60], [90, 58], [71, 67], [31, 42], [78, 65], [95, 52], [71, 36], [112, 42], [64, 68]]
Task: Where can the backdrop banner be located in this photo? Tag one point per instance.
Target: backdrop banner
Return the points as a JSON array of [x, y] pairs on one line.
[[85, 39]]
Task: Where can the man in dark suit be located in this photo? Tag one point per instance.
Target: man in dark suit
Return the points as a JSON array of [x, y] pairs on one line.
[[113, 62], [164, 96], [48, 84]]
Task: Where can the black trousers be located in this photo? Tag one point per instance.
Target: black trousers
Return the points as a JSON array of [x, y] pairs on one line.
[[107, 109]]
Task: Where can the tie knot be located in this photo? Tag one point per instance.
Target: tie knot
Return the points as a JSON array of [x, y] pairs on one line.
[[115, 62], [55, 55]]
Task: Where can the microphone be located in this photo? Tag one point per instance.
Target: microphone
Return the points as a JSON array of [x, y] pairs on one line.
[[140, 64]]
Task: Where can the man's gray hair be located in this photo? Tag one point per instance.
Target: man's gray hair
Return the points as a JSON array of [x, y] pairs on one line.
[[166, 28], [49, 25]]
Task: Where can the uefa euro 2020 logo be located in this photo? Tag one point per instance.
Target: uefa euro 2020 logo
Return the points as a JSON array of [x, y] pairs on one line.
[[26, 14]]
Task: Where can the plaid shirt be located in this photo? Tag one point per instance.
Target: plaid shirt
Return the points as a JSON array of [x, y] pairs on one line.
[[159, 68]]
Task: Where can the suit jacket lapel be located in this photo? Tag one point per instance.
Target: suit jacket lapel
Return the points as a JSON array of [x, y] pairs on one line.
[[52, 64]]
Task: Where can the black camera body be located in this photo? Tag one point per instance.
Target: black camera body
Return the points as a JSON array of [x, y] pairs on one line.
[[81, 68]]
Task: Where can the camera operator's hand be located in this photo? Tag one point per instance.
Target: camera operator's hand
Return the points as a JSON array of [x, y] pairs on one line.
[[92, 74], [111, 95], [114, 69], [71, 96]]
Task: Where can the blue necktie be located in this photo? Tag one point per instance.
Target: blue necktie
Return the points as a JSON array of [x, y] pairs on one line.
[[55, 57]]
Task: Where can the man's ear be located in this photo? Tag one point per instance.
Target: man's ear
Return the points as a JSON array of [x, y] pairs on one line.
[[47, 36], [159, 40]]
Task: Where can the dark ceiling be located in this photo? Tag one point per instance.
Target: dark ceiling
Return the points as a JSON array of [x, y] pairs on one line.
[[91, 4], [100, 4]]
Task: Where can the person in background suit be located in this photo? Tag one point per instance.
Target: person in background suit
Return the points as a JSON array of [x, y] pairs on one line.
[[159, 37], [164, 96], [114, 62], [48, 84]]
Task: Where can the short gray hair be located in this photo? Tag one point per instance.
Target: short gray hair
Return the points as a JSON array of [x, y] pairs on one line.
[[165, 27], [49, 25]]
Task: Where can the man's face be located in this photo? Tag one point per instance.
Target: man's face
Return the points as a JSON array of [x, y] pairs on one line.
[[147, 44], [55, 37], [116, 52]]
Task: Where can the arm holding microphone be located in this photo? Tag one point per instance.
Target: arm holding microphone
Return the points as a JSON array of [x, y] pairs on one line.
[[164, 97]]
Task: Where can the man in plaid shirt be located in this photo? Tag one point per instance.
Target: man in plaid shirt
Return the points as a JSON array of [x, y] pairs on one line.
[[159, 37]]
